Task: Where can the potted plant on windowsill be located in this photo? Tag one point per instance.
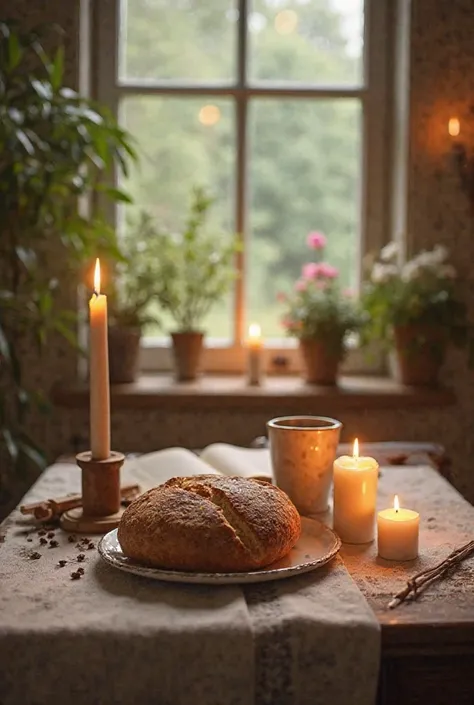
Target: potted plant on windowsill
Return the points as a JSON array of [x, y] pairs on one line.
[[194, 270], [130, 307], [413, 309], [321, 316]]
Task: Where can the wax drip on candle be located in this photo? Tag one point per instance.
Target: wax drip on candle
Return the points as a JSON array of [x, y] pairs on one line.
[[97, 278], [396, 504]]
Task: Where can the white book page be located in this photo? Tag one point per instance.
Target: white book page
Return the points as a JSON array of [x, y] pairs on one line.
[[234, 460], [156, 468]]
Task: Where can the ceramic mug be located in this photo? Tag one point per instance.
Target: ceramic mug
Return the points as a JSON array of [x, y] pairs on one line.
[[303, 450]]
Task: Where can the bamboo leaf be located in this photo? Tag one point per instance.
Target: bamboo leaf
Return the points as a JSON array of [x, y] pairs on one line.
[[10, 444], [14, 51], [31, 451], [57, 71], [4, 346]]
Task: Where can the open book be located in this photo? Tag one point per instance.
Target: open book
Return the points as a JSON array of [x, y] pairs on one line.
[[219, 459]]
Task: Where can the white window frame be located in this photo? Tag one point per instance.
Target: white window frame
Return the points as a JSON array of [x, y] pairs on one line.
[[374, 200]]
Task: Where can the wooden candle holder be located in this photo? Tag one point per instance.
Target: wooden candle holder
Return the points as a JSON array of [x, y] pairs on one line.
[[101, 501]]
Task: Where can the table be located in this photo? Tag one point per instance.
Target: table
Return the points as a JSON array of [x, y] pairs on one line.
[[427, 646]]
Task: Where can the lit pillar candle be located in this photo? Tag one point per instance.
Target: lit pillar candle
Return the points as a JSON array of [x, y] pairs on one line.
[[99, 373], [398, 531], [255, 350], [355, 496]]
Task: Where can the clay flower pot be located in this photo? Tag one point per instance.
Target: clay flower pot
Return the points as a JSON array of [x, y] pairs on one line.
[[187, 351], [420, 352], [321, 360], [124, 349]]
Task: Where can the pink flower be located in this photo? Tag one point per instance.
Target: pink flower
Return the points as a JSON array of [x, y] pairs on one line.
[[281, 297], [300, 285], [327, 271], [323, 270], [287, 323], [310, 270], [348, 293], [316, 240]]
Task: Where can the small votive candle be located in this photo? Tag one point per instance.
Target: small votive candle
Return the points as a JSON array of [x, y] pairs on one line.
[[398, 531], [355, 496], [255, 355]]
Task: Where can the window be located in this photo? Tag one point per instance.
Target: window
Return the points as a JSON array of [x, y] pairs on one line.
[[278, 106]]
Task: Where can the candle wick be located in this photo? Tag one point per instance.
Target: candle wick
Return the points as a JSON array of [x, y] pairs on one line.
[[96, 293]]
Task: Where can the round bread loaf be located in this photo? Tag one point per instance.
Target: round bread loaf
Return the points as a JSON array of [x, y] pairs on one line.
[[210, 523]]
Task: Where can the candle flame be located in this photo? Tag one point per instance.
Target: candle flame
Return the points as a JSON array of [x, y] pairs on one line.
[[454, 127], [355, 450], [97, 277], [255, 331], [396, 503]]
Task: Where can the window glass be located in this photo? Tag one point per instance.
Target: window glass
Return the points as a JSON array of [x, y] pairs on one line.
[[188, 40], [305, 175]]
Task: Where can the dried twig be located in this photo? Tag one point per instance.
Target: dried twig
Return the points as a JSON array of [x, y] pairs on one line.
[[421, 580]]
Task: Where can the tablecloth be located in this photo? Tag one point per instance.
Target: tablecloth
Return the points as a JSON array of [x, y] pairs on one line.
[[109, 638]]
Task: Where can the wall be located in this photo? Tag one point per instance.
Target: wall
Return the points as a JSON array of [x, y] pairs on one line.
[[442, 80]]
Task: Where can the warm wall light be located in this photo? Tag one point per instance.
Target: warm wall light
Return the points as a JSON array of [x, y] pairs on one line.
[[462, 161], [454, 127]]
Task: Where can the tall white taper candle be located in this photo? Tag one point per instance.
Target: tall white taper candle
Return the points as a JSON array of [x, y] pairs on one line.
[[99, 373]]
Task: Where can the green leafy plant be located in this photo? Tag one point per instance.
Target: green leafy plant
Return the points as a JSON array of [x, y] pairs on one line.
[[195, 268], [317, 308], [421, 291], [135, 277], [55, 147]]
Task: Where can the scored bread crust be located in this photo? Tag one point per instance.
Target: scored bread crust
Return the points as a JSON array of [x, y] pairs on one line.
[[210, 523]]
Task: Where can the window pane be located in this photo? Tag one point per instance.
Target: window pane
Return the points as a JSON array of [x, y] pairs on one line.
[[183, 143], [173, 39], [316, 42], [305, 173]]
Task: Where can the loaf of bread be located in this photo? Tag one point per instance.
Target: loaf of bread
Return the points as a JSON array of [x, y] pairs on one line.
[[210, 523]]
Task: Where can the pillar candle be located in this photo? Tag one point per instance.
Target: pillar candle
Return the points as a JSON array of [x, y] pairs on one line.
[[398, 531], [255, 352], [99, 373], [355, 495]]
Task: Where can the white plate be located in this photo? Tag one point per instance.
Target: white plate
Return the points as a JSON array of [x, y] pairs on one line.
[[316, 546]]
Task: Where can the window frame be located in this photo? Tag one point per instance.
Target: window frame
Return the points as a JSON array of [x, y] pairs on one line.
[[375, 207]]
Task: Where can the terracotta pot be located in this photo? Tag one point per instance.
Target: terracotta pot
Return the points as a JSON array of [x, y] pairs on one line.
[[124, 348], [187, 349], [420, 351], [321, 361]]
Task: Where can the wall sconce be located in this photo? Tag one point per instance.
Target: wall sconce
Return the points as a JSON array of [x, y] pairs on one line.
[[462, 161]]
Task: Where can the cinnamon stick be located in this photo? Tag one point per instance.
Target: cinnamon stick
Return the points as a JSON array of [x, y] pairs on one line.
[[52, 508]]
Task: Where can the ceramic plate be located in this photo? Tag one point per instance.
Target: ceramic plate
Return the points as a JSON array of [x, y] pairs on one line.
[[316, 546]]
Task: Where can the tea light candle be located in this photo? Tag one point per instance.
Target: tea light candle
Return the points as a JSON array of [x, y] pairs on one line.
[[255, 348], [355, 495], [99, 373], [398, 531]]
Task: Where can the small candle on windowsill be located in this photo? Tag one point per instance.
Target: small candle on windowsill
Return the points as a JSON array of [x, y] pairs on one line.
[[99, 373], [355, 496], [398, 531], [254, 355]]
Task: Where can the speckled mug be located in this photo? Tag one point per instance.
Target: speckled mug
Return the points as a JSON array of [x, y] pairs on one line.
[[303, 450]]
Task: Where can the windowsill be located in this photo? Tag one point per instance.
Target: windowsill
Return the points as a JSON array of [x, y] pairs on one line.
[[217, 392]]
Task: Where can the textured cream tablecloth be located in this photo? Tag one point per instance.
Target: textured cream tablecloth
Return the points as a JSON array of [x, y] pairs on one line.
[[111, 638]]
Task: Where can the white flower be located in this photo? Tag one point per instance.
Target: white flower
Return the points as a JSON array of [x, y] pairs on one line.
[[382, 273], [440, 254], [411, 269], [432, 258], [389, 252]]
